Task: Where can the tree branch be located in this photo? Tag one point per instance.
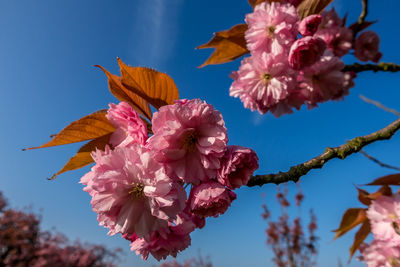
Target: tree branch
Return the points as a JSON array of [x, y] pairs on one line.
[[361, 18], [341, 152], [356, 67]]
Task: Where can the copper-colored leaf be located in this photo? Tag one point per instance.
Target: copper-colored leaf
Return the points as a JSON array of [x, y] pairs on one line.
[[155, 87], [83, 156], [351, 218], [310, 7], [366, 197], [363, 26], [363, 197], [229, 45], [385, 190], [89, 127], [393, 179], [360, 236], [124, 94]]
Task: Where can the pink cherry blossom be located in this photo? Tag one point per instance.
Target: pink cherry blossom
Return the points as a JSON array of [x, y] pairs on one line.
[[263, 82], [380, 254], [330, 18], [166, 242], [238, 165], [210, 199], [384, 216], [305, 52], [130, 127], [131, 192], [366, 47], [324, 80], [309, 25], [272, 27], [337, 39], [189, 138]]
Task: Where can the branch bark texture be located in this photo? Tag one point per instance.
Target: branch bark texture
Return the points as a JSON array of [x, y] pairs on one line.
[[341, 152], [356, 67]]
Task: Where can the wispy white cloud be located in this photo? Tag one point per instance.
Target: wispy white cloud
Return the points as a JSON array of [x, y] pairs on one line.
[[155, 31]]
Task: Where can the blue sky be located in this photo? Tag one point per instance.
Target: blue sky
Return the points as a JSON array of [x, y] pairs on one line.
[[47, 53]]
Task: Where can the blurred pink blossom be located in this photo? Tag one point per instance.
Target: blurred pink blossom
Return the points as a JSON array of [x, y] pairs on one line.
[[366, 47], [305, 52], [210, 199], [238, 164], [384, 216], [309, 25], [380, 254]]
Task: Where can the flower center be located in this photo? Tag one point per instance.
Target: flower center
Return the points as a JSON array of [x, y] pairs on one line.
[[266, 77], [270, 31], [189, 142], [137, 191]]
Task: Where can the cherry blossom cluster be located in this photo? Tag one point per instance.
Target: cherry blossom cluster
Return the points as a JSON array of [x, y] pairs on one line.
[[140, 186], [295, 62], [384, 217]]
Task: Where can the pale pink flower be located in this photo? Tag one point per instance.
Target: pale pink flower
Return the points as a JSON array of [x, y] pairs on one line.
[[324, 80], [380, 254], [130, 128], [238, 164], [210, 199], [190, 138], [131, 192], [272, 27], [331, 19], [166, 242], [338, 39], [384, 216], [263, 82], [305, 52], [309, 25], [366, 47]]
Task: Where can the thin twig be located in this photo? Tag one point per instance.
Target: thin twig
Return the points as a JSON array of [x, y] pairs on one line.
[[362, 17], [356, 67], [341, 152], [380, 163], [379, 105]]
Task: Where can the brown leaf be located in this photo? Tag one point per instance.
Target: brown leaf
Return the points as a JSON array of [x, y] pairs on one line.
[[83, 156], [360, 236], [124, 94], [363, 197], [229, 45], [155, 87], [89, 127], [366, 197], [351, 218], [363, 26], [310, 7], [393, 179]]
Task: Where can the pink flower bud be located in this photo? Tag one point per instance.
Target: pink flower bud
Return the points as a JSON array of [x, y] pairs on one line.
[[366, 47], [309, 25], [210, 199], [238, 164], [305, 52]]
